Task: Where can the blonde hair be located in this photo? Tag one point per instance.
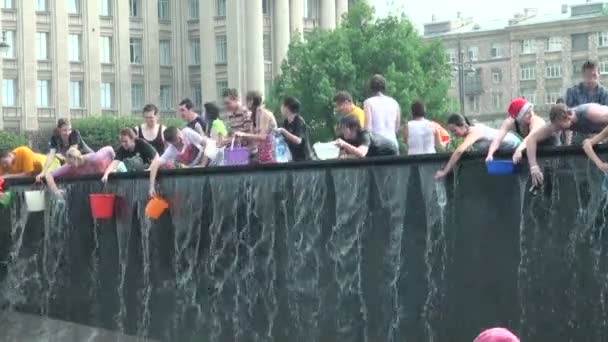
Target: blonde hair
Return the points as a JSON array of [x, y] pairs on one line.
[[74, 153]]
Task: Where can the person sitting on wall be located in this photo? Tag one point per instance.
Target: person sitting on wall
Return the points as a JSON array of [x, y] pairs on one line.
[[264, 123], [186, 148], [478, 137], [134, 154], [239, 118], [23, 162], [356, 142], [63, 138], [294, 130], [585, 119], [524, 122], [77, 164]]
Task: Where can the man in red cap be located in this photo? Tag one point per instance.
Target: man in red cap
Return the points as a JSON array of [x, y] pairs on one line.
[[496, 335], [589, 118], [523, 121]]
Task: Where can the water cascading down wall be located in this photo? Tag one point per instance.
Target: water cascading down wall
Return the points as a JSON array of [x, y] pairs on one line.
[[337, 251]]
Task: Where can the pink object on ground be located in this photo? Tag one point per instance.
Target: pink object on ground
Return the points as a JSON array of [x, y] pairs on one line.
[[496, 335]]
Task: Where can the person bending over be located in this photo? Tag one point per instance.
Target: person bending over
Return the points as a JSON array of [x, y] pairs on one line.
[[23, 162], [586, 119], [134, 154], [186, 148], [524, 122], [356, 142], [77, 164], [478, 137]]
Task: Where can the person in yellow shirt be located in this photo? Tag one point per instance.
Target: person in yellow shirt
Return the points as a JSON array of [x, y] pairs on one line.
[[344, 105], [22, 162]]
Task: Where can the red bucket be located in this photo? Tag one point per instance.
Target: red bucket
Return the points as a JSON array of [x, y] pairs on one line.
[[102, 205]]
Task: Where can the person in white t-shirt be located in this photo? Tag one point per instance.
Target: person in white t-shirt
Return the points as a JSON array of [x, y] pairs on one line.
[[185, 148]]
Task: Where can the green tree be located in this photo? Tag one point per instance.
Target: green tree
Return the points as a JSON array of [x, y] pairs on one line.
[[346, 58]]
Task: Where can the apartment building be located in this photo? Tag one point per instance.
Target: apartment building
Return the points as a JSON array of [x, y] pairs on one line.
[[531, 55], [74, 58]]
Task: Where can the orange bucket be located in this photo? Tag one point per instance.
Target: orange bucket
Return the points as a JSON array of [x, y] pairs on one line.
[[102, 205], [156, 207]]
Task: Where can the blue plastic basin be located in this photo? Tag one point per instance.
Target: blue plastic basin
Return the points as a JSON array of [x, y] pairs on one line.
[[501, 167]]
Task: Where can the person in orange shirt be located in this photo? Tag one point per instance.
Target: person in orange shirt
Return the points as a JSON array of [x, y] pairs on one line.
[[22, 162], [444, 135]]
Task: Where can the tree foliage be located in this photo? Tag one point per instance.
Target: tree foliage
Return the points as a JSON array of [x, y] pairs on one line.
[[346, 58]]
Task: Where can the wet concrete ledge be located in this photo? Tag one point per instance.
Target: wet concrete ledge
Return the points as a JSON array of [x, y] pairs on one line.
[[546, 152]]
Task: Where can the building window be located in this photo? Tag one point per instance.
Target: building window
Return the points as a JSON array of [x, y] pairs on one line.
[[195, 51], [528, 72], [136, 50], [42, 46], [311, 9], [137, 96], [496, 76], [497, 101], [74, 6], [194, 9], [9, 92], [9, 37], [135, 8], [221, 49], [165, 52], [474, 103], [220, 8], [197, 94], [266, 7], [166, 96], [267, 48], [580, 42], [602, 39], [76, 95], [105, 8], [527, 46], [554, 44], [41, 6], [473, 53], [604, 67], [74, 47], [553, 70], [107, 95], [163, 9], [529, 95], [451, 55], [496, 51], [221, 86], [106, 49], [267, 86], [551, 96], [7, 4], [43, 94]]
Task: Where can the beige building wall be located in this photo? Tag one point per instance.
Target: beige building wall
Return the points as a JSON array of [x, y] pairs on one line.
[[491, 99], [211, 47]]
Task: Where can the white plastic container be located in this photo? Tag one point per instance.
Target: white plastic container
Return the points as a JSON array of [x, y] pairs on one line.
[[326, 151], [35, 200]]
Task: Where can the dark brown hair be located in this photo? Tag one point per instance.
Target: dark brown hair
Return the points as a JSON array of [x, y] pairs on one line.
[[187, 103], [127, 132], [230, 93], [377, 84], [150, 108], [256, 101], [589, 65], [170, 134], [558, 112], [418, 109], [342, 96]]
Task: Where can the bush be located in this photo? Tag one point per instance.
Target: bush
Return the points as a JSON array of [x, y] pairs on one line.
[[98, 132], [11, 140]]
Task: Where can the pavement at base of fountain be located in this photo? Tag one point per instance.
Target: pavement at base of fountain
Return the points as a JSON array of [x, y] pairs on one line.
[[17, 327]]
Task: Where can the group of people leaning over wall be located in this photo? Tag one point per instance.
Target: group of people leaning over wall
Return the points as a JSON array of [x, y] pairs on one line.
[[361, 132]]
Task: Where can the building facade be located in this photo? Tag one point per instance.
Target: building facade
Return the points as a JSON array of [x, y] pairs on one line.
[[531, 55], [111, 57]]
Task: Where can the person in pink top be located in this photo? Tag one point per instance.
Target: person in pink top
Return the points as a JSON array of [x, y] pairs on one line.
[[80, 165], [496, 335]]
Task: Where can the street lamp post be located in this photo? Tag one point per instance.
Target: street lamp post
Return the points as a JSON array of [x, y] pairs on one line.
[[462, 67]]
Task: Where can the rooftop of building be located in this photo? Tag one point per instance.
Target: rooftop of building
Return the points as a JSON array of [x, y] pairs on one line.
[[528, 17]]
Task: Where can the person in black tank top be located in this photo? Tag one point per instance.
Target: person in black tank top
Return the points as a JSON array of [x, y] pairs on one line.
[[151, 117]]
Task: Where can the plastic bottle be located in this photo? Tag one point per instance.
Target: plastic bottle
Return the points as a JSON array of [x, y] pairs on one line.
[[442, 198]]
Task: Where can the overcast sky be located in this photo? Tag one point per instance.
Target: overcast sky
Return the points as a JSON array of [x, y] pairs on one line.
[[420, 12]]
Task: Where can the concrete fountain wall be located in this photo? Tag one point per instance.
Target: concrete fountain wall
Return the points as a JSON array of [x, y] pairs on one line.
[[347, 251]]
